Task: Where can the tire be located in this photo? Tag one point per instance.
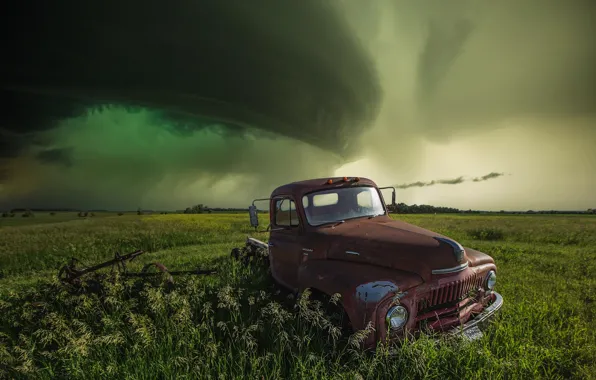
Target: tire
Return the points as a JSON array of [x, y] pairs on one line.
[[335, 312]]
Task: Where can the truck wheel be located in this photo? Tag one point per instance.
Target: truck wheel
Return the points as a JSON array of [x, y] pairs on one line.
[[335, 312], [241, 254], [235, 254]]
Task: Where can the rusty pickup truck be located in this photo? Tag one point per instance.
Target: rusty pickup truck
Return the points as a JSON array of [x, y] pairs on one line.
[[336, 236]]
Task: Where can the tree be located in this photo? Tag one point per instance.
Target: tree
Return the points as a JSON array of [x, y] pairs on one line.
[[28, 214], [197, 209]]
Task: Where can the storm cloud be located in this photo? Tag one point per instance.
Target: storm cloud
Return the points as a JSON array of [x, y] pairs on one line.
[[113, 103], [449, 181], [239, 64], [488, 176], [61, 156]]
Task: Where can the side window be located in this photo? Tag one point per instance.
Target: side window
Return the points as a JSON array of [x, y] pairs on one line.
[[285, 213]]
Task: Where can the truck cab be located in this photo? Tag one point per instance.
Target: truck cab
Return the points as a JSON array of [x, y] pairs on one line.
[[334, 235]]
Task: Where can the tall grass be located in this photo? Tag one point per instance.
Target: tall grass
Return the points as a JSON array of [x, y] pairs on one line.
[[238, 324]]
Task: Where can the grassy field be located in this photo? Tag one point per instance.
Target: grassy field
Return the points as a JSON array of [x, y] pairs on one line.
[[234, 325]]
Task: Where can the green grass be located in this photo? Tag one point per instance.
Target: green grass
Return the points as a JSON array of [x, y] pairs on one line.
[[233, 325]]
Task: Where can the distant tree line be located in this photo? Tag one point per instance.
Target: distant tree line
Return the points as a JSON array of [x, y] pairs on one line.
[[202, 209], [588, 211], [234, 209], [402, 208], [198, 209], [17, 210], [25, 213]]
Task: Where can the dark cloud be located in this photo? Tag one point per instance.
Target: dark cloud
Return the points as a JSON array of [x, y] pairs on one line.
[[61, 156], [450, 181], [443, 46], [453, 181], [488, 176], [4, 175], [498, 61], [292, 68], [479, 63]]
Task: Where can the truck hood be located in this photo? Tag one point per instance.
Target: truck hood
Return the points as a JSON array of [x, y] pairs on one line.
[[385, 242]]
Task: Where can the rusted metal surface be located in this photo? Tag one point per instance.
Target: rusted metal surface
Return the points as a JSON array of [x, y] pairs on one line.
[[378, 262], [72, 272], [302, 187]]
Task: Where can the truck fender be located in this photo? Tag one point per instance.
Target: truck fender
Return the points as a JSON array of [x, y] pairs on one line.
[[361, 286], [477, 258]]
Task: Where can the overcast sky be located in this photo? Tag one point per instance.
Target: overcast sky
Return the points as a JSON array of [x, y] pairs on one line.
[[429, 96]]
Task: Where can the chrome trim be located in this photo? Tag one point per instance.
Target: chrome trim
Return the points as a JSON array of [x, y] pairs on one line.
[[390, 312], [480, 319], [258, 243], [456, 269], [352, 253], [455, 245], [307, 249], [458, 249], [486, 280]]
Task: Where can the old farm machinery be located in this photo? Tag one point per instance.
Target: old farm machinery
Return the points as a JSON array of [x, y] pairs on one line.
[[72, 272]]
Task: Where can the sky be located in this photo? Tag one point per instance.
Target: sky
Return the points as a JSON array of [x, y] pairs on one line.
[[470, 104]]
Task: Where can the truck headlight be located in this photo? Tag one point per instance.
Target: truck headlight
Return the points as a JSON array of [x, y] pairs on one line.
[[491, 280], [397, 316]]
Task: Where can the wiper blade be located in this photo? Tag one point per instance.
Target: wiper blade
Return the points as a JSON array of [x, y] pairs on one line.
[[375, 215], [334, 223]]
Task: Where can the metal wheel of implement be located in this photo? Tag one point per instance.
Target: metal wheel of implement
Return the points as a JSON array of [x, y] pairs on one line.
[[160, 267]]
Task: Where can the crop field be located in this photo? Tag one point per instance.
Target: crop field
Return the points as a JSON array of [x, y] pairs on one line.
[[237, 324]]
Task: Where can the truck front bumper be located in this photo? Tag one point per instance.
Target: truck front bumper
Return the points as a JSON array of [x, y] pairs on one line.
[[471, 330]]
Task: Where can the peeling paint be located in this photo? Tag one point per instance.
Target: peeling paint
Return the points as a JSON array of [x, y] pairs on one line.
[[375, 291], [397, 297]]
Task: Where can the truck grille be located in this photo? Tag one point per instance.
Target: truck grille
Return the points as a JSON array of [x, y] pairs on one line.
[[450, 292]]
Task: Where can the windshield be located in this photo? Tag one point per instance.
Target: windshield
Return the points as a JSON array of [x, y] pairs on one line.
[[336, 205]]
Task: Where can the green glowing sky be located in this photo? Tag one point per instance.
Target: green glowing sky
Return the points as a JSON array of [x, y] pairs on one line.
[[123, 159]]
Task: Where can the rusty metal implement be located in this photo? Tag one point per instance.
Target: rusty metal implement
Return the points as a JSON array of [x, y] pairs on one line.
[[71, 272]]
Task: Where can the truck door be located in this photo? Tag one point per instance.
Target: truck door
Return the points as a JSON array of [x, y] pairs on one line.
[[285, 252]]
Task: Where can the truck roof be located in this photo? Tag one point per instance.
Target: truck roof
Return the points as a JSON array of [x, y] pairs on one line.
[[302, 187]]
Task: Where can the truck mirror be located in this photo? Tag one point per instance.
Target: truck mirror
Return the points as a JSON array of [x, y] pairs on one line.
[[254, 217], [392, 193]]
